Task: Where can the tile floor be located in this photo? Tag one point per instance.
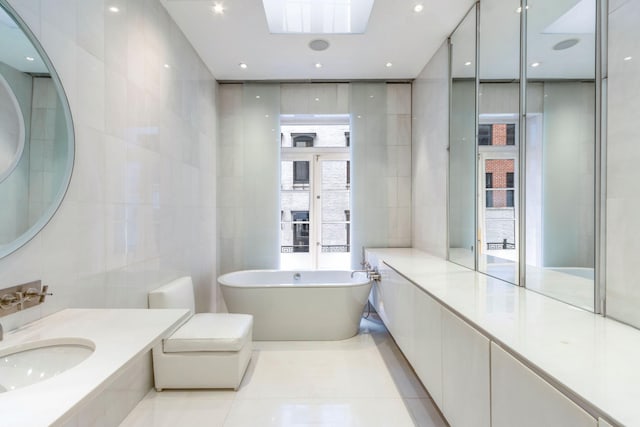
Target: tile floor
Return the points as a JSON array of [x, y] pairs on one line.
[[362, 381]]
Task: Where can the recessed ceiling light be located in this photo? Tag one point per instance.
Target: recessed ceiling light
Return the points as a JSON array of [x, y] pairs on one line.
[[257, 96], [565, 44], [318, 65], [467, 63], [418, 8], [388, 64], [167, 66], [114, 9], [535, 64], [628, 58], [218, 8], [318, 45], [242, 65], [30, 58], [371, 96], [317, 99]]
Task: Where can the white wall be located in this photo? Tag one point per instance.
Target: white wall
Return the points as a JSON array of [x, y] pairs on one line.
[[140, 207], [430, 128], [623, 157]]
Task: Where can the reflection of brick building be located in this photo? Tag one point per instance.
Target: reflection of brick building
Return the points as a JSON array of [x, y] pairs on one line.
[[499, 174]]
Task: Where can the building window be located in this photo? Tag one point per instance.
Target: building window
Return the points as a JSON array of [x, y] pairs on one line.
[[488, 183], [300, 224], [485, 134], [302, 140], [511, 134], [301, 172], [510, 193]]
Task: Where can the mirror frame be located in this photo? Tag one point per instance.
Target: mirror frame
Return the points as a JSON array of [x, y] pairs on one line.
[[56, 202]]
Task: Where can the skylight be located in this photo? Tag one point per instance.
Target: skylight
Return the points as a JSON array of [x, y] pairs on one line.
[[317, 16], [580, 19]]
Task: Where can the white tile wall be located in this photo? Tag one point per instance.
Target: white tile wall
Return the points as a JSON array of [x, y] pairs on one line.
[[430, 128], [623, 154], [140, 209]]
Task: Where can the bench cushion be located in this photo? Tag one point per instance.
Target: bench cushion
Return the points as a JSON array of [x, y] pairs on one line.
[[211, 332]]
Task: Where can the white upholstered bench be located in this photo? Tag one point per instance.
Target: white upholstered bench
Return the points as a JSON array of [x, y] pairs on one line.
[[210, 350]]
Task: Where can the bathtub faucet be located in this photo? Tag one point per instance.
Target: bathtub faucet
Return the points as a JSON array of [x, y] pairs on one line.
[[372, 274]]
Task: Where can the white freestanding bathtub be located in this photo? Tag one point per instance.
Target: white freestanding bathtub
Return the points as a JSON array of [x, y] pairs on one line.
[[298, 305]]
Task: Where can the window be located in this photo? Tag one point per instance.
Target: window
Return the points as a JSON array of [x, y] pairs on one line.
[[300, 224], [302, 139], [510, 193], [488, 183], [301, 172], [485, 134], [511, 134]]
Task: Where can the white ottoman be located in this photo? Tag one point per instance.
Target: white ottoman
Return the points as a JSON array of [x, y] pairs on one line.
[[210, 350]]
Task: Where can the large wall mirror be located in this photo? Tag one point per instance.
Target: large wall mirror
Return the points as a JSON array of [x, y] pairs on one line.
[[560, 149], [462, 132], [534, 153], [36, 141], [498, 147]]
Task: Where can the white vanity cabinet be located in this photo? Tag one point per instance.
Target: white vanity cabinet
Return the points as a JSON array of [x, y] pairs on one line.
[[465, 374], [427, 343], [459, 346], [519, 397]]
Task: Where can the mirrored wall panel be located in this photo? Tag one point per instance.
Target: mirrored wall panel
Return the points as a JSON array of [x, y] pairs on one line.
[[560, 149], [497, 161], [462, 149]]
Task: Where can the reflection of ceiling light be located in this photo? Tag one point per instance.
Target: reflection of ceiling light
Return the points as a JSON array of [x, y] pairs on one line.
[[30, 58], [318, 65], [535, 64], [318, 16], [242, 65], [388, 65], [628, 58], [257, 96], [167, 66], [114, 9], [519, 10], [467, 63], [218, 8], [418, 8], [318, 45], [565, 44], [580, 19], [317, 99]]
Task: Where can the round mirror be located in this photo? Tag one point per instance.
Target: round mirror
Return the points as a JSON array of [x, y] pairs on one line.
[[36, 135]]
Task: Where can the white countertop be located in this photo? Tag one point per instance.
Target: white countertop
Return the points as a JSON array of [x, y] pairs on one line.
[[594, 358], [119, 335]]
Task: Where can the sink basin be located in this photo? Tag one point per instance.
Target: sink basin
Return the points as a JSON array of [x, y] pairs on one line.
[[37, 361]]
